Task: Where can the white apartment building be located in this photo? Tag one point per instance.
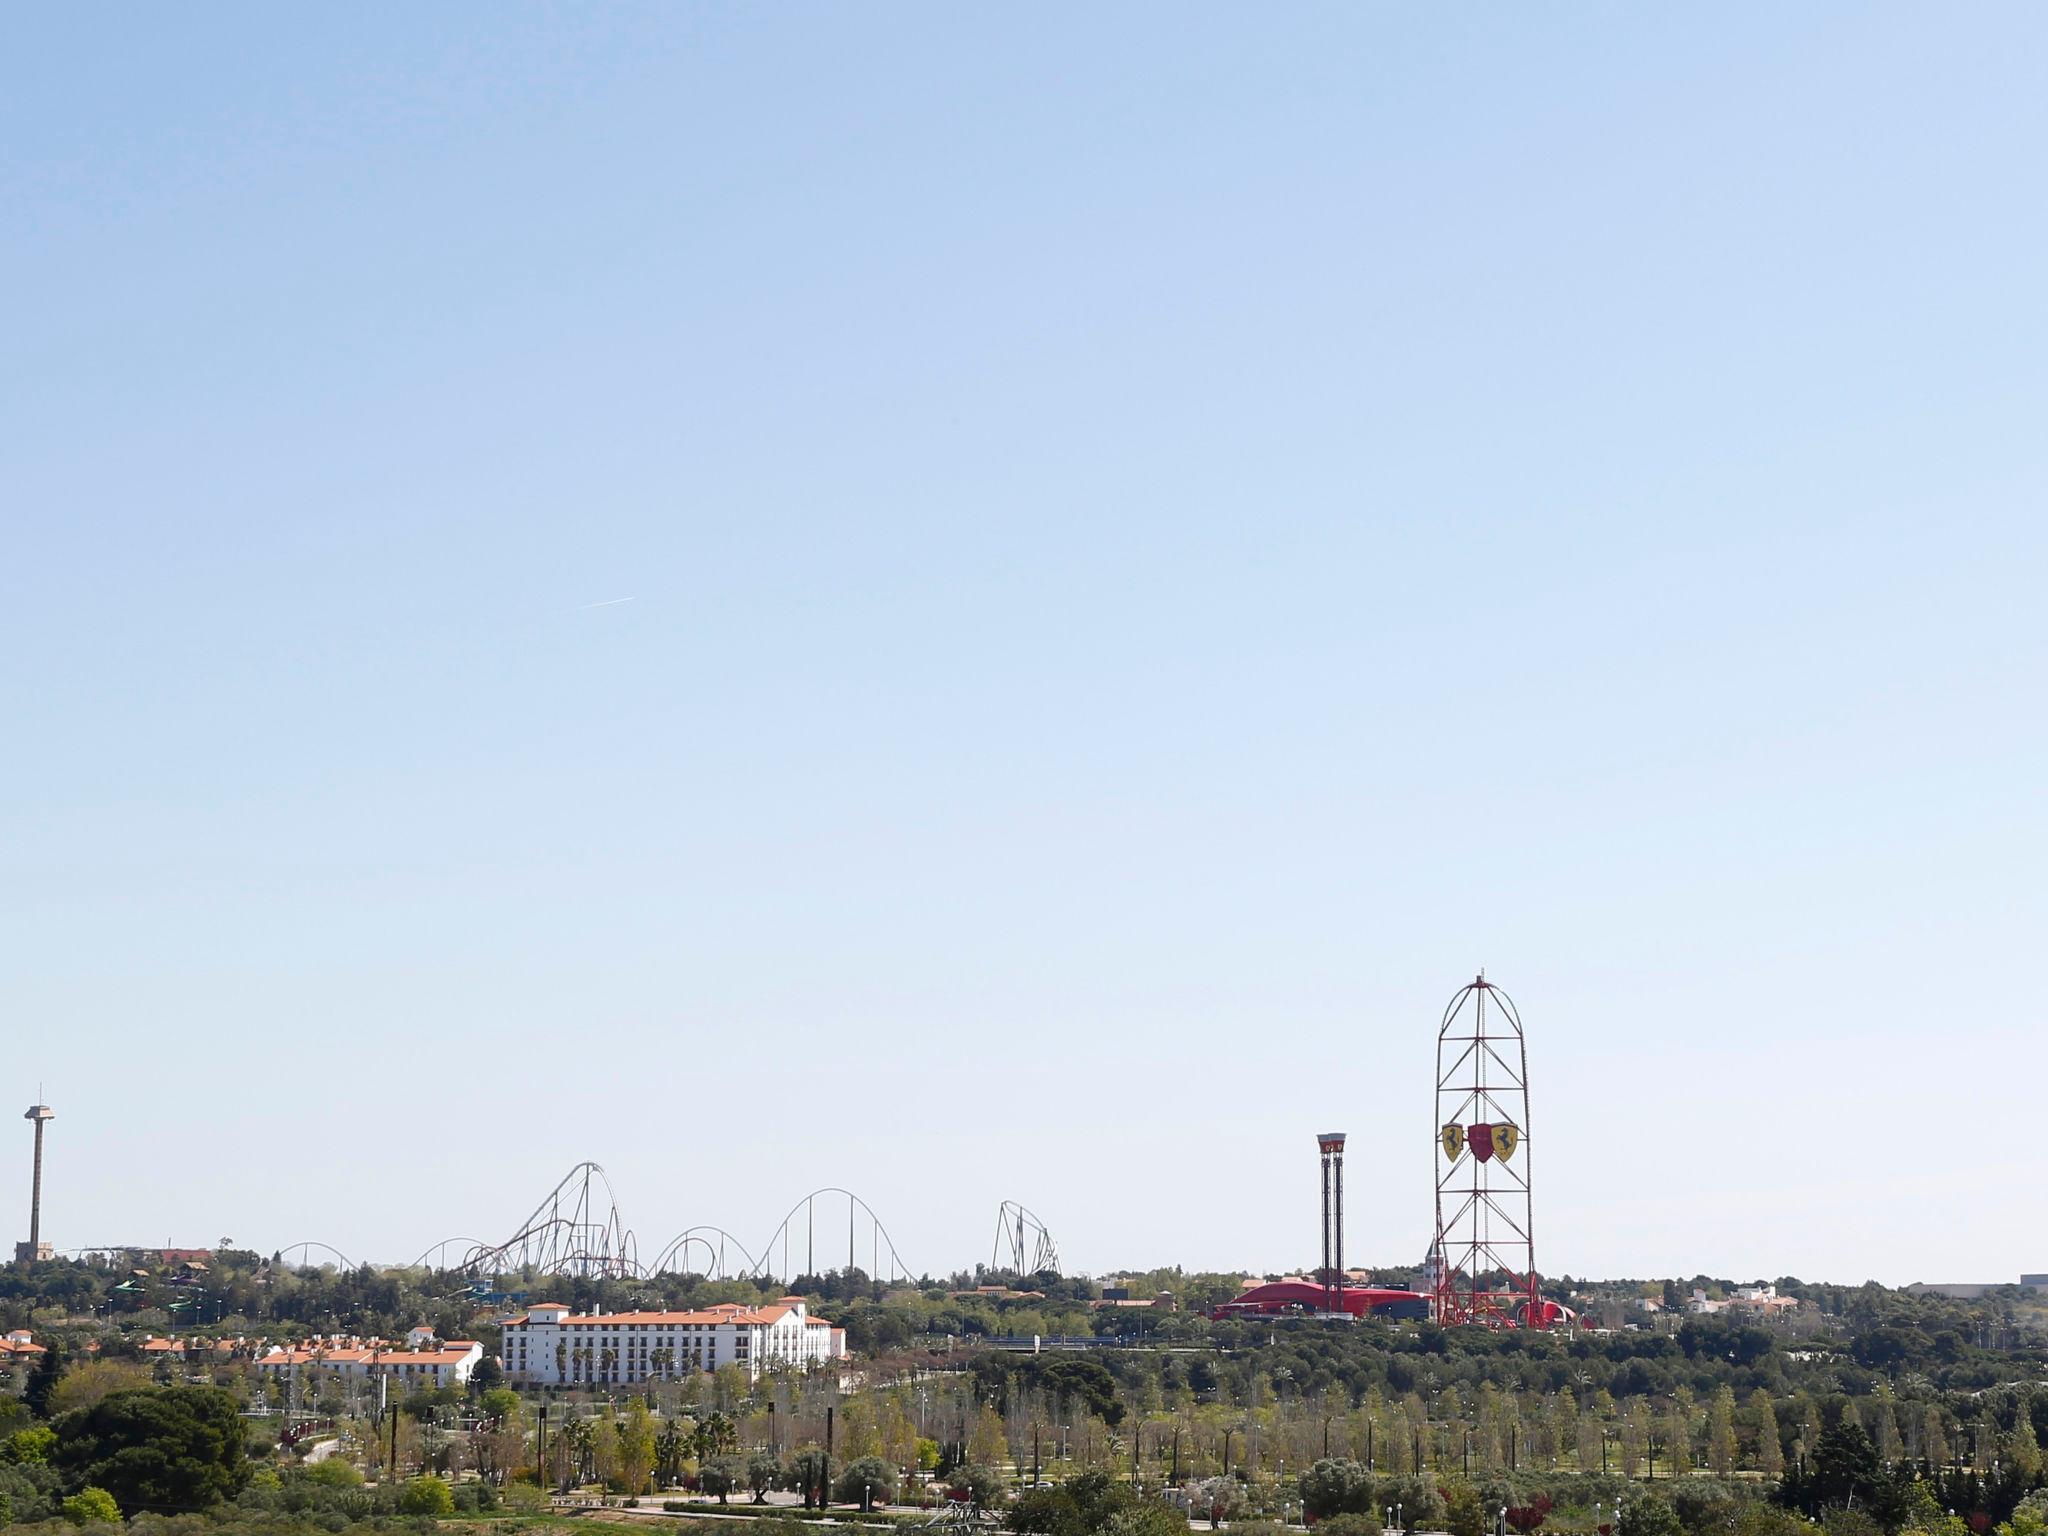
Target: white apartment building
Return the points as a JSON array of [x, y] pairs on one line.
[[552, 1347], [422, 1361]]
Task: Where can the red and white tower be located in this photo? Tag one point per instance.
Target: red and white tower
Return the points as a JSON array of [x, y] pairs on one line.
[[1484, 1259]]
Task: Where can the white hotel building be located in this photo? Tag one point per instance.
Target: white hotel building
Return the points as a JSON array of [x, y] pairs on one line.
[[550, 1347], [423, 1360]]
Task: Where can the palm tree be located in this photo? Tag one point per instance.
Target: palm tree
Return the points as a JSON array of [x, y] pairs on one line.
[[668, 1452], [608, 1361]]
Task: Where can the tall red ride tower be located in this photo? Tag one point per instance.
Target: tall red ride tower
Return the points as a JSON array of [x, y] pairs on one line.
[[1484, 1260]]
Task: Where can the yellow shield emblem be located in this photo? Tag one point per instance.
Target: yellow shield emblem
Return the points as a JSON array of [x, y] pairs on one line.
[[1505, 1139], [1454, 1142]]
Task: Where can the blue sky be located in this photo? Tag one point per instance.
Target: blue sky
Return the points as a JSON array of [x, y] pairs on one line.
[[1159, 543]]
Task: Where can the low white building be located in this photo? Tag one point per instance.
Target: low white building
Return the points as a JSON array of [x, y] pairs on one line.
[[422, 1361], [550, 1346]]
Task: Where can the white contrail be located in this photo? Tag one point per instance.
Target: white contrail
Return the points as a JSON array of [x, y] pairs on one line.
[[610, 602]]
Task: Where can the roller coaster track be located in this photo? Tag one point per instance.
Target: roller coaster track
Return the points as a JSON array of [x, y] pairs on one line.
[[305, 1248], [1022, 1240], [878, 1238], [714, 1241], [576, 1231]]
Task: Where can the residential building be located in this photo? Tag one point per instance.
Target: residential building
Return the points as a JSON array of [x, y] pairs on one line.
[[19, 1346], [550, 1346], [422, 1361], [1756, 1300]]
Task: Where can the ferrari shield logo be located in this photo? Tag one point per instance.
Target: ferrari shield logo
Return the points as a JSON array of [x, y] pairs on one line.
[[1480, 1139], [1505, 1139], [1454, 1142]]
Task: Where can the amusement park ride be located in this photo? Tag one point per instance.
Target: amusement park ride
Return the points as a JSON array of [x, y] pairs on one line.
[[1483, 1262], [1482, 1258], [577, 1232]]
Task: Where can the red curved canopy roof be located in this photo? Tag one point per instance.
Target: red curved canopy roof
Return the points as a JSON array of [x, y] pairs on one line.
[[1283, 1295]]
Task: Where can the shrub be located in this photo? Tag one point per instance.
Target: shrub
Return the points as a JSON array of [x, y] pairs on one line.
[[29, 1447], [524, 1498], [92, 1506], [1336, 1486], [428, 1496], [980, 1486], [1349, 1523], [868, 1476], [334, 1472], [1648, 1516]]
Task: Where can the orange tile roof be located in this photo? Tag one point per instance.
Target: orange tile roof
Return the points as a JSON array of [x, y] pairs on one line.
[[723, 1312]]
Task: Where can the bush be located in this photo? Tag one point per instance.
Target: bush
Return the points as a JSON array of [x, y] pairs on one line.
[[1336, 1487], [982, 1487], [1648, 1516], [868, 1476], [29, 1447], [1093, 1502], [1349, 1524], [524, 1498], [428, 1496], [92, 1506]]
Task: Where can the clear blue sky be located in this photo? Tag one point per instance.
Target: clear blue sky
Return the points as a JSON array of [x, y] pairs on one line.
[[1160, 541]]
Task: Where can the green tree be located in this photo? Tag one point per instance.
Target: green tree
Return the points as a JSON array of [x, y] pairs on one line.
[[1649, 1515], [1093, 1504], [92, 1506], [1337, 1487], [808, 1468], [983, 1486], [720, 1475], [2023, 1448], [42, 1381], [636, 1448], [163, 1448], [987, 1445], [867, 1481], [1721, 1432], [29, 1447], [428, 1496], [1464, 1515], [1770, 1453]]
